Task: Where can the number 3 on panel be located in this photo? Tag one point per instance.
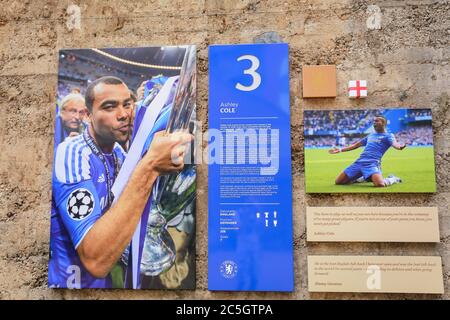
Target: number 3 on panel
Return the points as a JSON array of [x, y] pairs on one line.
[[250, 71]]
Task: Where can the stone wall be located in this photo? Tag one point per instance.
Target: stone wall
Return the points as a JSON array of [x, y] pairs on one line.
[[402, 50]]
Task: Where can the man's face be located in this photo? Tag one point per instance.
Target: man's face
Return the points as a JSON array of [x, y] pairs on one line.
[[73, 114], [378, 124], [111, 112]]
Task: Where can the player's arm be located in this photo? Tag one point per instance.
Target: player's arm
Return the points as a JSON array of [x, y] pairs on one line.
[[111, 233], [351, 147], [398, 146]]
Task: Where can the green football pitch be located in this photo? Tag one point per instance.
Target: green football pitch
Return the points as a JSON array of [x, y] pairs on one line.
[[414, 165]]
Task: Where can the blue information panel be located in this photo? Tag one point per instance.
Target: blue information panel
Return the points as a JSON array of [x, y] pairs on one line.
[[250, 181]]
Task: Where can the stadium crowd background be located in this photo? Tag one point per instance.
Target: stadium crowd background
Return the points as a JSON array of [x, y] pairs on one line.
[[134, 66], [77, 71], [78, 68], [324, 129]]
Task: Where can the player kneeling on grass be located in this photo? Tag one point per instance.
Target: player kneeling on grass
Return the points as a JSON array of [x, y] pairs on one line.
[[368, 166]]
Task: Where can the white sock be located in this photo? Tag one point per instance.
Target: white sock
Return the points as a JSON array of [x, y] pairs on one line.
[[360, 179], [390, 181]]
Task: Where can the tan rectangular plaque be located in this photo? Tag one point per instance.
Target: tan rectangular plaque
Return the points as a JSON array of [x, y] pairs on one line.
[[319, 81], [390, 274], [372, 224]]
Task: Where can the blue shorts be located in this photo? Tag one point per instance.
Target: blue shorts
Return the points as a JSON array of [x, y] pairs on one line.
[[357, 169]]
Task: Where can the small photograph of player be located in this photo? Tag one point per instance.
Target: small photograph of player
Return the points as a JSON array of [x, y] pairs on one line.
[[369, 150]]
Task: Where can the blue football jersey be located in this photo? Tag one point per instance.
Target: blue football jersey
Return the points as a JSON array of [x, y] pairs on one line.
[[79, 199], [376, 145]]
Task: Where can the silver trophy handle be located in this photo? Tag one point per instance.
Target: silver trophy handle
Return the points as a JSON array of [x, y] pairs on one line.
[[182, 109]]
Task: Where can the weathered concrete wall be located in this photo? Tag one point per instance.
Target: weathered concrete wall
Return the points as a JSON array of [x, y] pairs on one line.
[[406, 63]]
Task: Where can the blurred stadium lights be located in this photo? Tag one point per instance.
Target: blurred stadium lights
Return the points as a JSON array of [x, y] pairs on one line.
[[139, 64]]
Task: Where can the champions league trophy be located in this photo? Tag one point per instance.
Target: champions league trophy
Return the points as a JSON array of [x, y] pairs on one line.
[[173, 193]]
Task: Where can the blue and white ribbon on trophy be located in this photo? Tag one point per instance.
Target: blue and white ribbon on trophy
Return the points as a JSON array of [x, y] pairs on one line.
[[154, 117]]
